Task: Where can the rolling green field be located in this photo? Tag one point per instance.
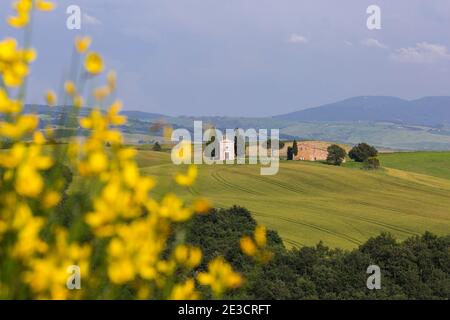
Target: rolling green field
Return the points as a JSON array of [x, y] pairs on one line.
[[309, 202], [436, 164]]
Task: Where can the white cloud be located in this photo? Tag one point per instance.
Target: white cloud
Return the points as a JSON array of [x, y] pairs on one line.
[[349, 43], [90, 19], [422, 53], [297, 38], [374, 43]]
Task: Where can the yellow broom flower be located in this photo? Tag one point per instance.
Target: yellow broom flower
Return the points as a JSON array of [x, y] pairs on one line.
[[260, 236], [78, 101], [20, 21], [50, 98], [247, 246], [184, 291], [82, 44], [44, 5], [94, 63], [201, 206], [69, 88], [220, 277], [189, 178], [101, 93]]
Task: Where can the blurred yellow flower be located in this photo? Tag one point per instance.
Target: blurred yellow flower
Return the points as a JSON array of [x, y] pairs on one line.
[[70, 88], [257, 248], [188, 256], [29, 55], [23, 125], [189, 178], [51, 199], [28, 182], [247, 246], [44, 5], [14, 62], [220, 277], [8, 50], [7, 105], [201, 206], [78, 101], [14, 76], [260, 236], [97, 162], [93, 63], [101, 93], [184, 291], [28, 228], [23, 5], [19, 21], [113, 114], [167, 132], [136, 228], [171, 207], [121, 272], [38, 138], [50, 98], [82, 44], [47, 275]]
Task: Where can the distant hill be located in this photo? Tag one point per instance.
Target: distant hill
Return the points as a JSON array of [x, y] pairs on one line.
[[145, 116], [427, 111], [44, 109], [387, 122]]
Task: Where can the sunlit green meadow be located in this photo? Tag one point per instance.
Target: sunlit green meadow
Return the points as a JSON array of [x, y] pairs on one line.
[[311, 202]]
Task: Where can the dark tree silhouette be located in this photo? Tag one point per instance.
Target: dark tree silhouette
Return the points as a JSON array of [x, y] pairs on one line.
[[362, 152], [336, 155]]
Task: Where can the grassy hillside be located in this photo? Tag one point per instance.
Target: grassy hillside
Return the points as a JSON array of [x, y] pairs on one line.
[[309, 202], [435, 164]]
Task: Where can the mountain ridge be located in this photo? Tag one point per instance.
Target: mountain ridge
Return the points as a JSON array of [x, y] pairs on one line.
[[429, 111], [432, 111]]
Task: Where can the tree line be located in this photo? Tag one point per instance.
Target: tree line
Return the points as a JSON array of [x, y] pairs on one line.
[[417, 268], [362, 152]]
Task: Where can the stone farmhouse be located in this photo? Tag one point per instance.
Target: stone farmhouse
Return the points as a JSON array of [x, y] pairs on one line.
[[312, 151]]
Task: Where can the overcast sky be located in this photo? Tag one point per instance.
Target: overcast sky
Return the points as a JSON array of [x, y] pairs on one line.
[[250, 57]]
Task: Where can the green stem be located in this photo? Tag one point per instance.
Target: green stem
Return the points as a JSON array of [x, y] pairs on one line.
[[28, 36]]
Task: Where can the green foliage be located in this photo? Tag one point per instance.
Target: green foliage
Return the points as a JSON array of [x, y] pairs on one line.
[[5, 144], [157, 147], [362, 152], [239, 139], [295, 148], [371, 163], [336, 155], [290, 153], [213, 151], [418, 268]]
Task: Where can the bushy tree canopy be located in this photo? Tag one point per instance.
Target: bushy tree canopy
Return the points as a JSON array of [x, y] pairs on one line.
[[336, 155], [362, 152], [156, 147], [371, 163]]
